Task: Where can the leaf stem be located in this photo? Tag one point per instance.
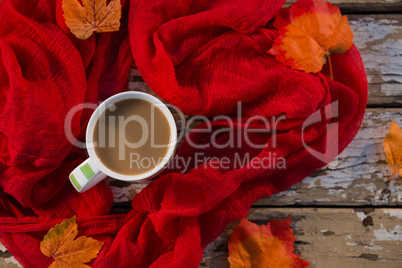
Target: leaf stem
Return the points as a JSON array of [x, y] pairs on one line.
[[393, 174], [331, 71]]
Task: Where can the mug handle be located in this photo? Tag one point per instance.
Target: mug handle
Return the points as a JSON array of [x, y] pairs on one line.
[[86, 175]]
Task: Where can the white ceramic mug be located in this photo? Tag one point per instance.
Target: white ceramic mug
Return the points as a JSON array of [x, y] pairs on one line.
[[92, 171]]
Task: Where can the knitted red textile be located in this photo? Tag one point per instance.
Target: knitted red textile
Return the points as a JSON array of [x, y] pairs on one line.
[[201, 56]]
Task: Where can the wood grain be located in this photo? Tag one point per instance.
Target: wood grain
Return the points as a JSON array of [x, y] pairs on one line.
[[330, 238], [359, 176], [340, 236], [356, 178], [326, 237], [345, 223], [365, 6], [379, 39]]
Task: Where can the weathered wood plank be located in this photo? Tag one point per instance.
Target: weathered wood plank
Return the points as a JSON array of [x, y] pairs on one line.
[[359, 2], [358, 178], [379, 39], [361, 167], [326, 237], [365, 6], [329, 238]]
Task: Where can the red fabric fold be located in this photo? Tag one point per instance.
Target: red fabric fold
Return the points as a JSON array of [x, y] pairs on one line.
[[201, 56]]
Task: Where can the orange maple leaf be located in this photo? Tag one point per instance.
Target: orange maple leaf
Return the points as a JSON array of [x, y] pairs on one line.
[[93, 16], [263, 246], [308, 33], [393, 148], [59, 244]]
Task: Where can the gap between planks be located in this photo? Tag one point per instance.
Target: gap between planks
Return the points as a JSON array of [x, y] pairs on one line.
[[326, 237], [356, 178], [378, 38], [329, 238], [365, 6]]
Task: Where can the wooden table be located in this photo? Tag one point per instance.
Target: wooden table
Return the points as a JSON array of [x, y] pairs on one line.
[[347, 214]]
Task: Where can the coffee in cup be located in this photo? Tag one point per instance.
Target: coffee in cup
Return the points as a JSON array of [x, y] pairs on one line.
[[130, 136]]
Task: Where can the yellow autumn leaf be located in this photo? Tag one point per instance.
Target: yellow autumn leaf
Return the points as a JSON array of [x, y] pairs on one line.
[[393, 148], [59, 244], [92, 16]]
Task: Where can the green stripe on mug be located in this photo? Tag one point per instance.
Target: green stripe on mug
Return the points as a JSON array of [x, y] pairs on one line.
[[75, 182], [87, 171]]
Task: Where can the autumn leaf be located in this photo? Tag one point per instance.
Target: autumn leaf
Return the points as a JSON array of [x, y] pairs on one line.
[[93, 16], [263, 246], [59, 244], [393, 148], [308, 33]]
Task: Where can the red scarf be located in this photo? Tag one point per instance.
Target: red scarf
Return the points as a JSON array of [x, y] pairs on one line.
[[201, 56]]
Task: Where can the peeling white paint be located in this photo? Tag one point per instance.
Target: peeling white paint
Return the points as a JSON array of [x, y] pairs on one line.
[[12, 260], [398, 197], [368, 29], [336, 192], [2, 248], [371, 187], [393, 212], [359, 177], [326, 200], [126, 194], [361, 215], [311, 182], [286, 193], [391, 89], [374, 247], [379, 43], [393, 234]]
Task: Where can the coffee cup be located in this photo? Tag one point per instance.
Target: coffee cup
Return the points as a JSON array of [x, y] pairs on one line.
[[131, 136]]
